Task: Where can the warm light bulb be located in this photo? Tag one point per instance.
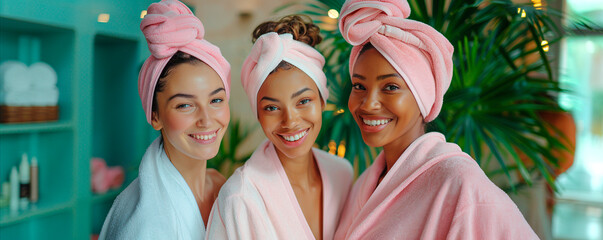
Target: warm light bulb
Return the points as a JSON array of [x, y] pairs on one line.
[[341, 150], [143, 13], [340, 111], [103, 17], [537, 4], [332, 13], [518, 10], [332, 147], [523, 13], [545, 45]]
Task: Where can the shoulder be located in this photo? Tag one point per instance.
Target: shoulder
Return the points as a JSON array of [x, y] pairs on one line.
[[463, 175], [237, 187], [129, 216]]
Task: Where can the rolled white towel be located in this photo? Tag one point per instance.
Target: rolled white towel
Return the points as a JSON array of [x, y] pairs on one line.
[[45, 97], [16, 98], [42, 76], [14, 76]]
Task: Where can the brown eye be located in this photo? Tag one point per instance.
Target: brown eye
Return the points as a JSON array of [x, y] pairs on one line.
[[270, 108], [357, 86], [304, 101], [391, 87], [183, 106]]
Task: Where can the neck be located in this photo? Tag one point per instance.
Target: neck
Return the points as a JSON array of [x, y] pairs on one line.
[[301, 171], [192, 170], [393, 150]]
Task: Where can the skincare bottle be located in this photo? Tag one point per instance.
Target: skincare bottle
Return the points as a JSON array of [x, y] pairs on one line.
[[14, 190], [24, 180], [5, 199], [33, 194]]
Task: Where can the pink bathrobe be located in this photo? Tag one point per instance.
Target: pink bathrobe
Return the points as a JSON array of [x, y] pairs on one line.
[[257, 201], [433, 191]]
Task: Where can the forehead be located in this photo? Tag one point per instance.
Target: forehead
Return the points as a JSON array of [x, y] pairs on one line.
[[192, 77], [371, 61], [286, 82]]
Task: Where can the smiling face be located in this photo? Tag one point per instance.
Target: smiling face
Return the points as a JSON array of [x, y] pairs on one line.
[[382, 104], [290, 111], [192, 112]]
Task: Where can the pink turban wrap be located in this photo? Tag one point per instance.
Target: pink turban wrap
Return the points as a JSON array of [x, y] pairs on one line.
[[169, 27], [268, 51], [419, 53]]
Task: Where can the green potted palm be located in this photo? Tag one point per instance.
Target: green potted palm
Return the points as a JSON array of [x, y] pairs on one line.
[[502, 80]]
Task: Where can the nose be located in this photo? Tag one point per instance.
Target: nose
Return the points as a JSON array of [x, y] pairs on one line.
[[290, 118], [203, 117], [370, 102]]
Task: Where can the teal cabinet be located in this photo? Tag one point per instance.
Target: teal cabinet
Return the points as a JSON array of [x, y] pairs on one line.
[[100, 115]]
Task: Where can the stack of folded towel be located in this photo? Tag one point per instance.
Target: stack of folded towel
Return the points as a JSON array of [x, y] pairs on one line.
[[22, 86], [28, 86]]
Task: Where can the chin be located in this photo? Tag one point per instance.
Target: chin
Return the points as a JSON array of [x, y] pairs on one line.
[[373, 140], [294, 152]]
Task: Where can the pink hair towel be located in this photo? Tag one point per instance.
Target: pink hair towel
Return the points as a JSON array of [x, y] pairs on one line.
[[268, 51], [169, 27], [419, 53]]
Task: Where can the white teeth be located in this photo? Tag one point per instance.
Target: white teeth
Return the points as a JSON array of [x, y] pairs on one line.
[[375, 122], [295, 137], [204, 137]]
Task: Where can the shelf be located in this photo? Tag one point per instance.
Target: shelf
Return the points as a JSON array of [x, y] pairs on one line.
[[37, 210], [16, 128]]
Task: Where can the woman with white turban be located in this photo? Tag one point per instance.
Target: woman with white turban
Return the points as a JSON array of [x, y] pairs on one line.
[[287, 189]]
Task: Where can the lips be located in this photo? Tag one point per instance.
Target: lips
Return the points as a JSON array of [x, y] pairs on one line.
[[374, 124], [294, 139], [205, 137]]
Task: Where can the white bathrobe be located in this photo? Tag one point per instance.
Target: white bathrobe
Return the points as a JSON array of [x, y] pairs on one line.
[[257, 201], [156, 205]]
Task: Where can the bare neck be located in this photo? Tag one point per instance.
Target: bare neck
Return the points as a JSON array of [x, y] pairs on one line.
[[301, 171], [193, 171]]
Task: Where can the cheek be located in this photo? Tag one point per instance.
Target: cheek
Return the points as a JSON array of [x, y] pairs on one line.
[[313, 114], [403, 106], [177, 121], [354, 102], [222, 115], [268, 122]]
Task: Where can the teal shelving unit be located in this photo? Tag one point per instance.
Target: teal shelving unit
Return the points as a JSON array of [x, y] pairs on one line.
[[100, 113]]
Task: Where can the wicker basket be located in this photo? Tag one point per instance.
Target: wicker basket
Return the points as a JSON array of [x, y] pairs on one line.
[[18, 114]]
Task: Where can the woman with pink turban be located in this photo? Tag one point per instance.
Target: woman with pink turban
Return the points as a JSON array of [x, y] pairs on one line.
[[184, 87], [420, 186], [287, 189]]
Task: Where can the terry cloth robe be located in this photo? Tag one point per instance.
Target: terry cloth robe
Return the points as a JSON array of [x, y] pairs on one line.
[[433, 191], [257, 201], [158, 204]]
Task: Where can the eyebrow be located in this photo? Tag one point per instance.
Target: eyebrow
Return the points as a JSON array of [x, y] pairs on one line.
[[183, 95], [300, 92], [269, 99], [379, 77], [217, 91], [292, 95]]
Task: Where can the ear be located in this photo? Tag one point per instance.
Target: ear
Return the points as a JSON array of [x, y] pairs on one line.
[[157, 125]]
